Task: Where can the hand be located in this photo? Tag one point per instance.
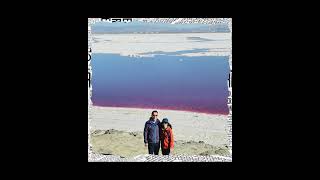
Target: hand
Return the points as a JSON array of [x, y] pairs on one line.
[[145, 144]]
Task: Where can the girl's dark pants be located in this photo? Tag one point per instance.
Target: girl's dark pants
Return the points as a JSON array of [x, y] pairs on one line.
[[165, 151]]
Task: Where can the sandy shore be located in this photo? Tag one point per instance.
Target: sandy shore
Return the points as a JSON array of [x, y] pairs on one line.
[[142, 45], [119, 131]]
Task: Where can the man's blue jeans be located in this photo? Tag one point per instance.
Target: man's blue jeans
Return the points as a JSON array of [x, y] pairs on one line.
[[154, 148]]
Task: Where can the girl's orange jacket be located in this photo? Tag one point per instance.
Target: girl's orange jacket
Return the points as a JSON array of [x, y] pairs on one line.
[[166, 137]]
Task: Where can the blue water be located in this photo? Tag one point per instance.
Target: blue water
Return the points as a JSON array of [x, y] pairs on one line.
[[161, 82]]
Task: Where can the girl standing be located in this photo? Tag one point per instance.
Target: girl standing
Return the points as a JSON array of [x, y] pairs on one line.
[[166, 137]]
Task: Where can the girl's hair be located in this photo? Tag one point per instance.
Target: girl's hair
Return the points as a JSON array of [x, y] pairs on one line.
[[162, 125]]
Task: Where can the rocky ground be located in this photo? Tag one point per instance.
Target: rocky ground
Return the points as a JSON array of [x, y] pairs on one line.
[[130, 144]]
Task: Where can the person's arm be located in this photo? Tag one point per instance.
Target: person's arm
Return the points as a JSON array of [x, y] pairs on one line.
[[145, 133], [171, 139], [160, 135]]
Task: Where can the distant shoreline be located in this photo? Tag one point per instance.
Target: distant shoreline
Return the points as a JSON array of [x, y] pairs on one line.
[[122, 43]]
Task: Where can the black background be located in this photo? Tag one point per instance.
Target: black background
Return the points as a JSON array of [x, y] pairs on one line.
[[45, 86]]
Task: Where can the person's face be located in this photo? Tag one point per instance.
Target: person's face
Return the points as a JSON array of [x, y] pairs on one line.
[[154, 115], [165, 125]]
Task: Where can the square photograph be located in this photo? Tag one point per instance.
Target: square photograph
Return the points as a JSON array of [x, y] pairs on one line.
[[160, 89]]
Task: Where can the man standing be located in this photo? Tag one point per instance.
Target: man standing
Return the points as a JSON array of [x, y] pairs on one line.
[[152, 133]]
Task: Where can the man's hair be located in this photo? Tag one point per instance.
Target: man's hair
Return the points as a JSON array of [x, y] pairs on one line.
[[152, 114]]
